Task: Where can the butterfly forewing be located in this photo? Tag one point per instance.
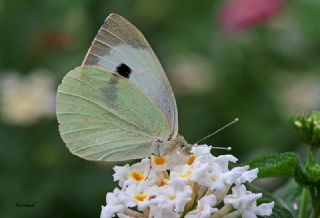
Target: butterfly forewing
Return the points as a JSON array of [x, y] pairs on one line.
[[118, 45], [104, 117]]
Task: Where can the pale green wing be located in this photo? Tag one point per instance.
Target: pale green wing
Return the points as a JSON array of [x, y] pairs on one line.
[[119, 42], [103, 117]]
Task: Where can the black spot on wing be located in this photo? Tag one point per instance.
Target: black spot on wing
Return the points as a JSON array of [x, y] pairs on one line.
[[123, 70]]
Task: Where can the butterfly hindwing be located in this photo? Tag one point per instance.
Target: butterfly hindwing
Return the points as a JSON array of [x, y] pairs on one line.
[[104, 117], [120, 45]]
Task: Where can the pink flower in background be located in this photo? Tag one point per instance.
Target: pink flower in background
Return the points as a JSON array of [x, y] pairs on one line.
[[238, 15]]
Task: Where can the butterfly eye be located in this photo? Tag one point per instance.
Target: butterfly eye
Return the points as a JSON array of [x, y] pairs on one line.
[[123, 70]]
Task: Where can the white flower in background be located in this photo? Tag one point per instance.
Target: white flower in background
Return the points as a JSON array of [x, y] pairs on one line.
[[298, 93], [191, 74], [25, 99], [198, 186]]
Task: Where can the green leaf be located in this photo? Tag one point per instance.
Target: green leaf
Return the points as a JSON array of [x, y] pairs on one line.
[[279, 211], [290, 195], [284, 164]]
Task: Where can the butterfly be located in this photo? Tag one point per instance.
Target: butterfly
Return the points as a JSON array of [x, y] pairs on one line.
[[118, 105]]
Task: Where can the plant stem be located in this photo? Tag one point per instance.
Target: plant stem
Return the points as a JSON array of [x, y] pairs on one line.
[[310, 156], [316, 212], [315, 202], [305, 191], [303, 212]]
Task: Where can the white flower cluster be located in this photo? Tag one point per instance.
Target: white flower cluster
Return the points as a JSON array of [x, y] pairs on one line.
[[180, 185], [25, 100]]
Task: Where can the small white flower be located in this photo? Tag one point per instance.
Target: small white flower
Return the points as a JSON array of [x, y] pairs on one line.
[[121, 173], [137, 195], [245, 202], [159, 163], [160, 207], [179, 191], [114, 205], [261, 210], [200, 173], [246, 175], [183, 174], [223, 161], [220, 176], [172, 199], [171, 161], [137, 173], [204, 208], [240, 198], [182, 197], [201, 151]]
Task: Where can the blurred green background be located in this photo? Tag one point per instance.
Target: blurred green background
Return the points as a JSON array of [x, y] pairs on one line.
[[222, 64]]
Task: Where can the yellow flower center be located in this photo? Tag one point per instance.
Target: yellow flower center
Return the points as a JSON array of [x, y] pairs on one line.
[[172, 197], [214, 178], [138, 176], [185, 175], [191, 159], [140, 197], [159, 160]]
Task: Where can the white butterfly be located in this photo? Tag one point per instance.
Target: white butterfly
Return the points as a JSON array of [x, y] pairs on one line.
[[118, 104]]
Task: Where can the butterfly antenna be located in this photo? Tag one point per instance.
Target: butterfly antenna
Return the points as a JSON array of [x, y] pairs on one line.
[[215, 132]]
